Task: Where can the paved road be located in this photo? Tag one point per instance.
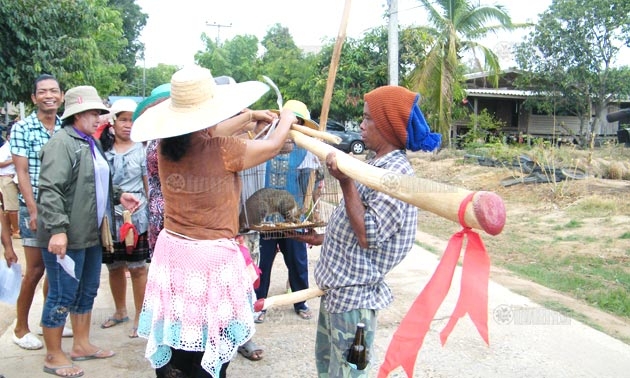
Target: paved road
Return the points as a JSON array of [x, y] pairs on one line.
[[525, 341]]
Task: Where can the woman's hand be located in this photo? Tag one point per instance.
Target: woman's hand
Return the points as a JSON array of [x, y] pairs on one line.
[[58, 244], [129, 202], [10, 256]]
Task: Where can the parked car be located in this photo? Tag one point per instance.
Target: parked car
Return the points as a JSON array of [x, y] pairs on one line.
[[350, 140]]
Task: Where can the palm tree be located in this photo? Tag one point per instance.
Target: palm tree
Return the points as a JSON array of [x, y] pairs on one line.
[[454, 26]]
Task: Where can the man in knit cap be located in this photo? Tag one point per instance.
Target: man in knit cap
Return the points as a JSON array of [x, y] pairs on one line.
[[369, 233]]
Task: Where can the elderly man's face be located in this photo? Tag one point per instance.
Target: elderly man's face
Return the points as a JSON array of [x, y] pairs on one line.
[[370, 135]]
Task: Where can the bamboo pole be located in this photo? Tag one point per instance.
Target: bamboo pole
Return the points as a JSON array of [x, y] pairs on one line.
[[334, 64]]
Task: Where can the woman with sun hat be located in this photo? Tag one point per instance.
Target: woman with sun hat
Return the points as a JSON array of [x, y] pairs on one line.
[[198, 302]]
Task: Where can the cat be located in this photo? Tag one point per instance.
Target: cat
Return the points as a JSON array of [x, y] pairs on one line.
[[265, 202]]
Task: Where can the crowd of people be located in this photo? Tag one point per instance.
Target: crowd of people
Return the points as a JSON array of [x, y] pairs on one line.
[[155, 195]]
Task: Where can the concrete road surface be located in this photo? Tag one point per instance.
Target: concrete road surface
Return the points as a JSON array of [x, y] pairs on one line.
[[526, 340]]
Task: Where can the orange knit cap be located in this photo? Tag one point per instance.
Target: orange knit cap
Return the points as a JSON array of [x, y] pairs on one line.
[[390, 107]]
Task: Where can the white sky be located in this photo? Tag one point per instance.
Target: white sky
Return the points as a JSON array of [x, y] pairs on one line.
[[173, 30]]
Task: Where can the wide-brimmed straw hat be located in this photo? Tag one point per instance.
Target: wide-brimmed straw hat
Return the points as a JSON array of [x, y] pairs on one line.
[[196, 103], [301, 111], [82, 98]]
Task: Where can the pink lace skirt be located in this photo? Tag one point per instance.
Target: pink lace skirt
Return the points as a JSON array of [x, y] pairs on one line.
[[199, 297]]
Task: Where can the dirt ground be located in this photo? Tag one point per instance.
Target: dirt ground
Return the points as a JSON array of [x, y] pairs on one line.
[[554, 349], [537, 212]]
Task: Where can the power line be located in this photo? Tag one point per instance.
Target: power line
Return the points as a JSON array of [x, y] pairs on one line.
[[218, 26]]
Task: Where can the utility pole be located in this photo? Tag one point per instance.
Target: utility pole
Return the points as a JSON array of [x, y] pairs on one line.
[[392, 42], [218, 26]]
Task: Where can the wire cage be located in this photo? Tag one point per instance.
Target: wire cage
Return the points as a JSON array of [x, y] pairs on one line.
[[288, 194]]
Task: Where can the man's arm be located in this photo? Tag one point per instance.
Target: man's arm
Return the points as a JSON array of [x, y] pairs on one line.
[[352, 199], [24, 184], [7, 242]]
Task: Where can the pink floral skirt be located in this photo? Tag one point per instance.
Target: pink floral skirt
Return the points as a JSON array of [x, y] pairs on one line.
[[199, 297]]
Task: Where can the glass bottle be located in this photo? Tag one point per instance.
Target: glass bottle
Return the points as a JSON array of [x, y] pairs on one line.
[[357, 353]]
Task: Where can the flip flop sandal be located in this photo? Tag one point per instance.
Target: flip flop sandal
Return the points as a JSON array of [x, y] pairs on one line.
[[55, 371], [261, 317], [98, 355], [112, 321], [133, 334], [305, 313], [250, 351]]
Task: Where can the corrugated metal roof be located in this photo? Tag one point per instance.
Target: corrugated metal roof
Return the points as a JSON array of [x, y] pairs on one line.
[[491, 92]]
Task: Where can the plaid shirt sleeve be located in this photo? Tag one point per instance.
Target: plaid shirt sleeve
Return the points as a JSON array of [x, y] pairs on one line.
[[19, 139]]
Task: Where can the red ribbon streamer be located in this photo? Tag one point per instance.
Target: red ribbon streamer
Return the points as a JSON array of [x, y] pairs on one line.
[[473, 299], [124, 229]]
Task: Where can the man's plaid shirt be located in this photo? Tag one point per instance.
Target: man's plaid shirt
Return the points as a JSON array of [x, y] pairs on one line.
[[28, 136], [353, 277]]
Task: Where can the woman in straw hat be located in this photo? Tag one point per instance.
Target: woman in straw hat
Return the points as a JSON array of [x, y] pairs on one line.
[[198, 302], [246, 122], [75, 198]]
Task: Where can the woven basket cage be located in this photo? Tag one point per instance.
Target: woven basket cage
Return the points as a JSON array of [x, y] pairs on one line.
[[280, 198]]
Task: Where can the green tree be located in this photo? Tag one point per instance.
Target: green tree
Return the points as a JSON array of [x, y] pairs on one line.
[[455, 26], [568, 58], [284, 63], [362, 67], [145, 79], [133, 21], [237, 57], [78, 41]]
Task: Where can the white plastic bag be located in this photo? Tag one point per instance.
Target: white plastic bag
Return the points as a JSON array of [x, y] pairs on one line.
[[10, 280]]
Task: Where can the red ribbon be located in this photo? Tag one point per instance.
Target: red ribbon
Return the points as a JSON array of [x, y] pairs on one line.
[[473, 299], [124, 230]]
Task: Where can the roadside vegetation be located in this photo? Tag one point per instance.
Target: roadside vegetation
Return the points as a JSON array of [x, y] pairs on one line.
[[571, 236]]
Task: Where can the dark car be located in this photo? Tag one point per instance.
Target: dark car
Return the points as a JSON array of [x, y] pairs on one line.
[[350, 140]]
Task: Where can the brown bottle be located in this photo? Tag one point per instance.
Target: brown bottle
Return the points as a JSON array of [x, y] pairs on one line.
[[357, 353]]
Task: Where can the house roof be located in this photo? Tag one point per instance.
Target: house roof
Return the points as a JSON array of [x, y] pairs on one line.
[[477, 75], [499, 93]]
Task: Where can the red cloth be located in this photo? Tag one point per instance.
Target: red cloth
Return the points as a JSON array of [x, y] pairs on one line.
[[124, 230], [473, 299], [99, 130]]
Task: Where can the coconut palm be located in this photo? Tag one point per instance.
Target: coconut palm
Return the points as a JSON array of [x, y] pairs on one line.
[[455, 26]]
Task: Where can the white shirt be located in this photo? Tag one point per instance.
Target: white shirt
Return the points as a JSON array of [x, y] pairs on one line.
[[310, 161], [5, 154]]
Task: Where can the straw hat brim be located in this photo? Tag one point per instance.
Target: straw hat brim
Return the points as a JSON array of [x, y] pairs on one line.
[[307, 122], [165, 121]]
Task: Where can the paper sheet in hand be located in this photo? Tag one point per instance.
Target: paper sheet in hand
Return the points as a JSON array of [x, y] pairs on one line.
[[10, 280], [67, 264]]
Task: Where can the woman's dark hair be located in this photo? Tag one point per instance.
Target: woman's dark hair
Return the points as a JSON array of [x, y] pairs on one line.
[[107, 138], [43, 77], [174, 148], [67, 121]]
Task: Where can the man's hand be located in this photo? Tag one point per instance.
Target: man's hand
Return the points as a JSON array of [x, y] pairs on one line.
[[32, 223], [331, 164], [309, 236]]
